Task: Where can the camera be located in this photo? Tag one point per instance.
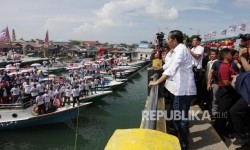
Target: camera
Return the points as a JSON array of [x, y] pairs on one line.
[[160, 37], [244, 37], [195, 69]]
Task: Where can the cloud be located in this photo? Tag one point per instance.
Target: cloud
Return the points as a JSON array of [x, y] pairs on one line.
[[243, 1], [121, 13], [154, 8]]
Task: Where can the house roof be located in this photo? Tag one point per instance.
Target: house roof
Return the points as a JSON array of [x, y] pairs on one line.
[[144, 50], [93, 48], [91, 43], [143, 45]]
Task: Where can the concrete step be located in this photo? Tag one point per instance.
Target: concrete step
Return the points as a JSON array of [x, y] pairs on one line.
[[202, 134]]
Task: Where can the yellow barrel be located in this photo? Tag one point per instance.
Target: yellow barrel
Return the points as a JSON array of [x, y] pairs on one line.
[[142, 139]]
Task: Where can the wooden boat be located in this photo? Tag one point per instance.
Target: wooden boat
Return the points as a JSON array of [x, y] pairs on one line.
[[15, 116]]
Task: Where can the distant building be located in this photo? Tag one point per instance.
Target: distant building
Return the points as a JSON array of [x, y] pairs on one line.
[[89, 44], [60, 43], [142, 52]]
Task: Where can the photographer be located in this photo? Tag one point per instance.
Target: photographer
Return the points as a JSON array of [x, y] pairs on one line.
[[240, 111], [197, 53]]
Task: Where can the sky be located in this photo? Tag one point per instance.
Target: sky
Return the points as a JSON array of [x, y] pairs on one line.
[[120, 21]]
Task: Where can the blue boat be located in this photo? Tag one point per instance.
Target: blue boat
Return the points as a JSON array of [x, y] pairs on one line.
[[19, 118]]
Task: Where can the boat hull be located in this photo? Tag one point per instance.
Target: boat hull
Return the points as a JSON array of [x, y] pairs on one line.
[[51, 118]]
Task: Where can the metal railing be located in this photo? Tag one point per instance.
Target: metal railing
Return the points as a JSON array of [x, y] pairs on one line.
[[151, 105]]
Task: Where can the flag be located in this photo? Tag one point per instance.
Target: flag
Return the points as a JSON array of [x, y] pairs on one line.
[[232, 28], [4, 35], [224, 32], [242, 27], [209, 35], [213, 33], [46, 40]]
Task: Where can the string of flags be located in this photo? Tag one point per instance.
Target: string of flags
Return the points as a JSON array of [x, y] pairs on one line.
[[231, 28]]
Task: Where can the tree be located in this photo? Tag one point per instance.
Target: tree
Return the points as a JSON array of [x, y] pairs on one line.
[[74, 42]]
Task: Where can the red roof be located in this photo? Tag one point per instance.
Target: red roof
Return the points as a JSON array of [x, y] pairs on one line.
[[91, 43]]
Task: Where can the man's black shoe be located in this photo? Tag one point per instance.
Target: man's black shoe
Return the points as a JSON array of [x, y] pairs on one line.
[[240, 141]]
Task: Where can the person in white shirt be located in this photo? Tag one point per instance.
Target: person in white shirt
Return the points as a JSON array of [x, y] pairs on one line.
[[34, 92], [40, 105], [180, 71], [75, 94], [46, 98], [92, 85], [86, 85], [15, 91], [27, 89], [51, 94], [67, 96], [96, 81], [197, 52], [40, 88], [81, 87]]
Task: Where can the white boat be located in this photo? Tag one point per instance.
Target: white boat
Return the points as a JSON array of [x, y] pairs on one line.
[[111, 78], [111, 84], [124, 67], [17, 117]]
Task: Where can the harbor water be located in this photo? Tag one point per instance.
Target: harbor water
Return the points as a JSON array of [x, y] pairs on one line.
[[120, 110]]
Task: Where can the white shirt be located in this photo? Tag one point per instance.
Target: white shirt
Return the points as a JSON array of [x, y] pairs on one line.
[[27, 88], [75, 92], [34, 91], [15, 91], [40, 88], [180, 72], [168, 60], [39, 100], [51, 94], [199, 50], [209, 66], [67, 92], [46, 98], [92, 85]]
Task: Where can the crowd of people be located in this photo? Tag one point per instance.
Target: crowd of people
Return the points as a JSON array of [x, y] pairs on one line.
[[48, 92], [215, 79]]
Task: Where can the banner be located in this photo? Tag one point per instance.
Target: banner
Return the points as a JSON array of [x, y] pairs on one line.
[[4, 35], [232, 28], [46, 40], [224, 32], [242, 27], [213, 33]]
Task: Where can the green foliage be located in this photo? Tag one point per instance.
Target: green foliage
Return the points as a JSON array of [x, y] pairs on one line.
[[74, 42]]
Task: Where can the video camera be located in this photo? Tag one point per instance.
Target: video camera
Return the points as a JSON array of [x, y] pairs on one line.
[[160, 37], [245, 38], [245, 43]]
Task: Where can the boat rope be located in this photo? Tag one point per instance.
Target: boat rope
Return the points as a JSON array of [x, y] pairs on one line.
[[77, 126]]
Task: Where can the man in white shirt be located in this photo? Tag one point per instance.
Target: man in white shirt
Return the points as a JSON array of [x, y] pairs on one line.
[[75, 93], [197, 52], [67, 96], [15, 91], [46, 98], [34, 92], [40, 105], [27, 89], [180, 71]]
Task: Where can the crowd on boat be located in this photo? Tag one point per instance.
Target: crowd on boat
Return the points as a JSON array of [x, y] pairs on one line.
[[48, 91]]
